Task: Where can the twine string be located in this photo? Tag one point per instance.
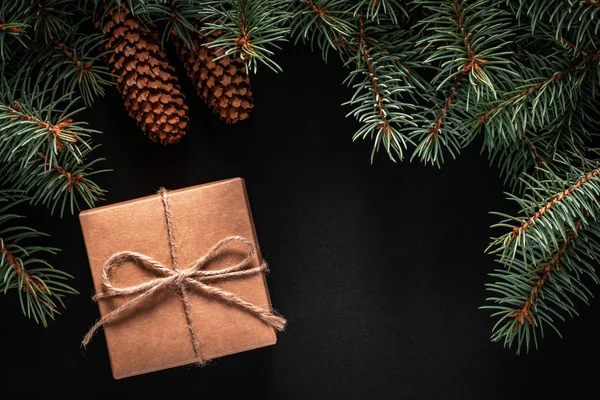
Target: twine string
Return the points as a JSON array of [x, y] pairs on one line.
[[180, 285], [181, 280]]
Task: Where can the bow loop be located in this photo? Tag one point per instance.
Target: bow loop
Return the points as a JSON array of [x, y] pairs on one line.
[[201, 264], [117, 259], [196, 276]]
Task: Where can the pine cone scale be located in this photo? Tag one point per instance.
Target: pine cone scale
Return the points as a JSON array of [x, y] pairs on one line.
[[223, 83], [146, 81]]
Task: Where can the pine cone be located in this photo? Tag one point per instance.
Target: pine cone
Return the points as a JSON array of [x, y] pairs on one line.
[[223, 84], [147, 83]]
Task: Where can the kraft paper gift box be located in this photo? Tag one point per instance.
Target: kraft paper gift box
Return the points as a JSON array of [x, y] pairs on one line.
[[153, 334]]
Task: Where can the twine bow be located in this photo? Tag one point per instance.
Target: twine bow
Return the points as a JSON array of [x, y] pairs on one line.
[[178, 280]]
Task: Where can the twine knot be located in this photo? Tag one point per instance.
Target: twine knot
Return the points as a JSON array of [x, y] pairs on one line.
[[195, 277]]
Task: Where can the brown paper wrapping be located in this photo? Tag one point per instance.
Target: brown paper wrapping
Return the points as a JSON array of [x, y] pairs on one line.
[[153, 336]]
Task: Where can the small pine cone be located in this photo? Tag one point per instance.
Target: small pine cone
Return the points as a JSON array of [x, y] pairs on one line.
[[223, 84], [147, 83]]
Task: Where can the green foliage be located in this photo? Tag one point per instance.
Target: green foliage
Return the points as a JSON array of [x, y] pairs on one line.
[[429, 77], [52, 19], [50, 70], [251, 29], [522, 78], [467, 40], [172, 17], [24, 269], [175, 17], [33, 121], [13, 29], [60, 185], [326, 30], [550, 253], [373, 10], [575, 18], [76, 63], [468, 46], [384, 76]]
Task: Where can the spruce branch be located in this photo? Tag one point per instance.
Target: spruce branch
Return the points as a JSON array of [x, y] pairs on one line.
[[471, 38], [379, 82], [529, 297], [576, 18], [547, 255], [42, 121], [468, 45], [521, 94], [76, 62], [569, 135], [568, 44], [517, 231], [539, 104], [173, 17], [180, 21], [23, 267], [552, 114], [42, 148], [432, 141], [374, 9], [53, 18], [524, 313], [14, 24], [252, 29], [323, 23], [61, 184]]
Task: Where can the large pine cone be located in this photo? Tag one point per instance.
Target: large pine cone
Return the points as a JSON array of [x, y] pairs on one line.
[[223, 84], [147, 83]]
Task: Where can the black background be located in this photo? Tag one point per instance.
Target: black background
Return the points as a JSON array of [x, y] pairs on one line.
[[380, 269]]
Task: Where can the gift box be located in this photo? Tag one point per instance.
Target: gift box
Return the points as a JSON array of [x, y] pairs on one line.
[[178, 278]]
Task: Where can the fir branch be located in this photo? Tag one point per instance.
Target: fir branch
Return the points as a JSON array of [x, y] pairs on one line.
[[569, 135], [524, 92], [40, 119], [547, 255], [368, 60], [173, 17], [14, 24], [435, 129], [572, 46], [59, 184], [468, 45], [552, 88], [471, 38], [378, 97], [523, 314], [251, 29], [76, 62], [374, 9], [432, 142], [53, 17], [40, 288], [57, 132], [51, 136], [180, 22], [553, 202], [39, 125], [577, 18], [529, 297], [324, 23]]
